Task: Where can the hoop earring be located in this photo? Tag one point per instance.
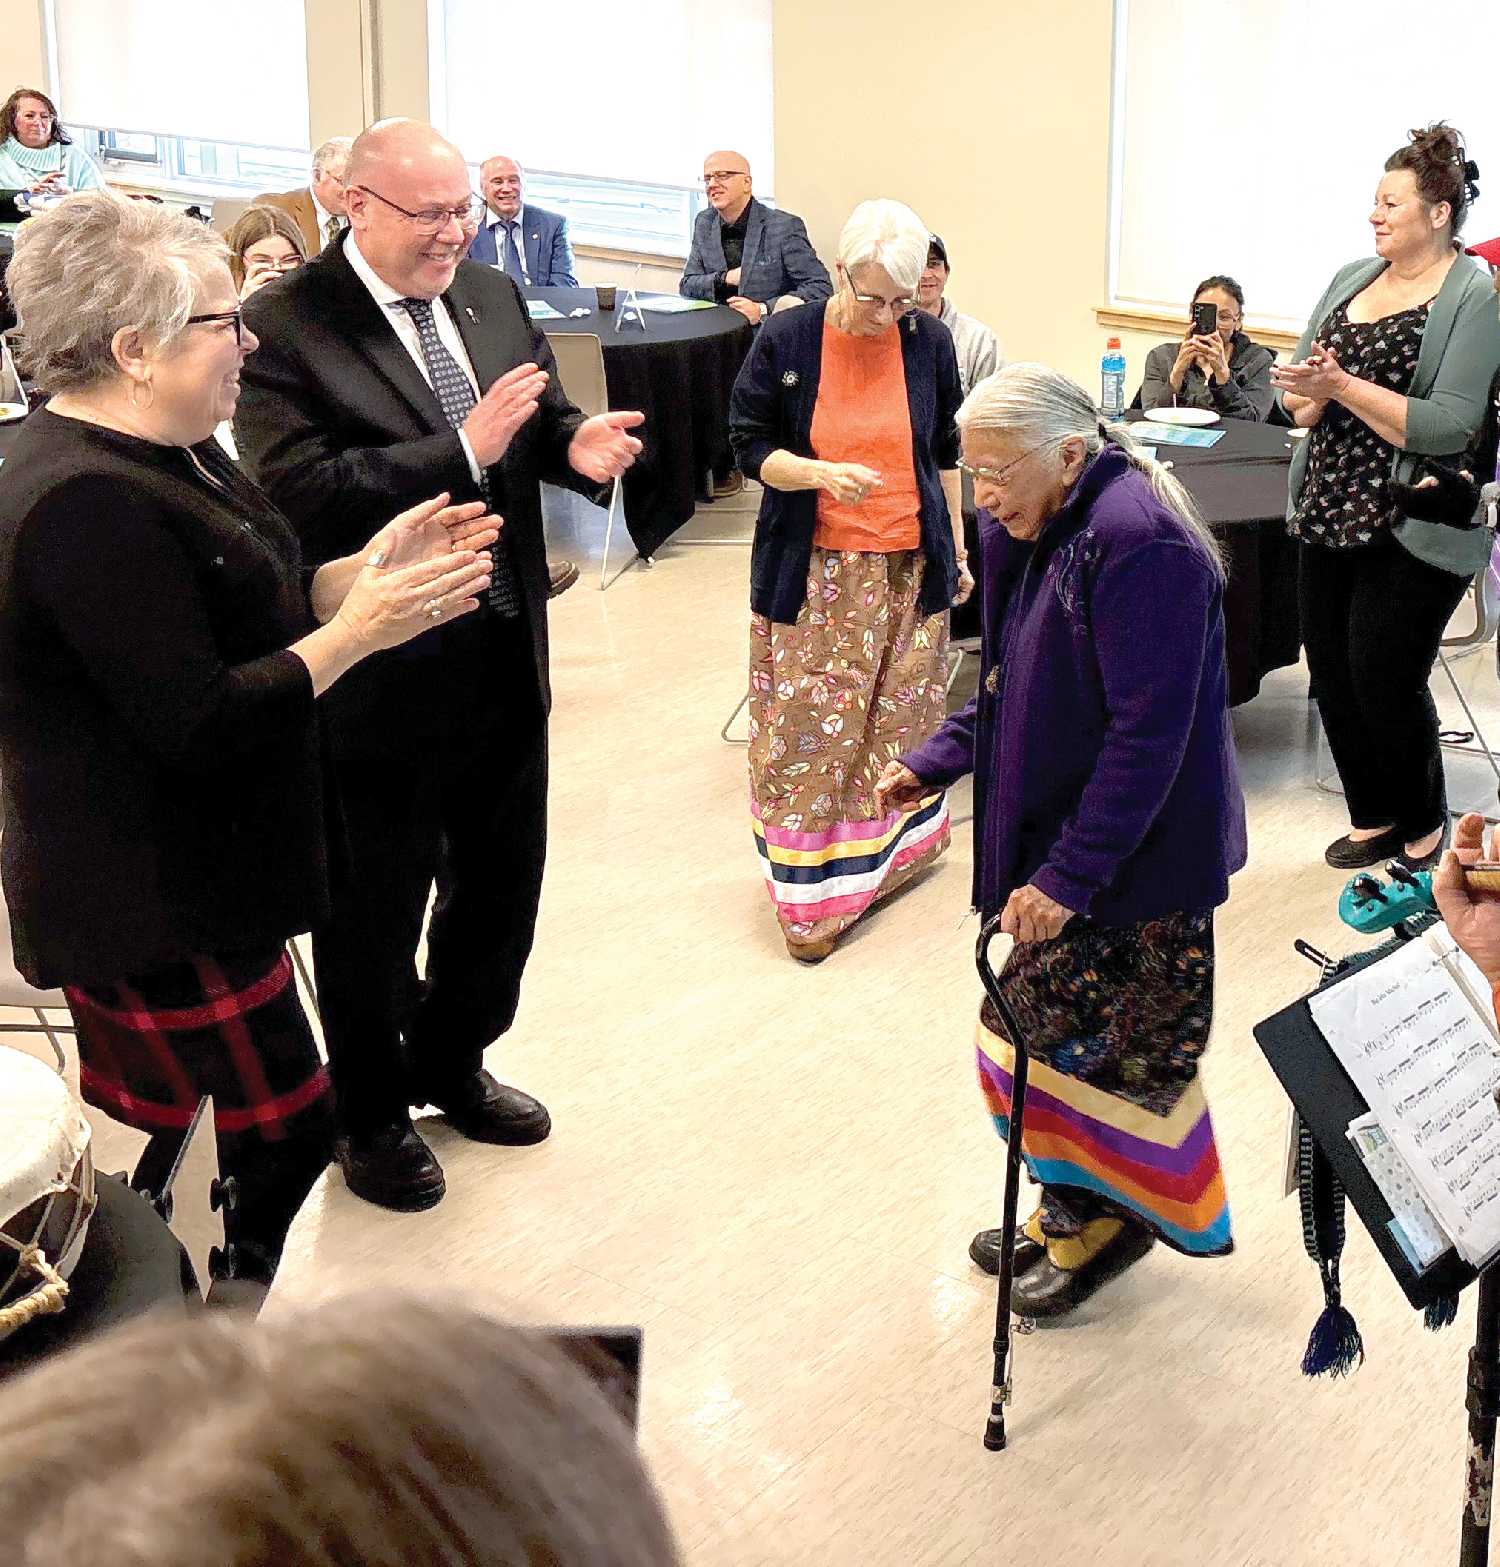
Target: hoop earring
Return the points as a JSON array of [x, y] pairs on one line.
[[135, 386]]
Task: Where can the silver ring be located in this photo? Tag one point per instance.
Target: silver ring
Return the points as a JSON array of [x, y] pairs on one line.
[[432, 609]]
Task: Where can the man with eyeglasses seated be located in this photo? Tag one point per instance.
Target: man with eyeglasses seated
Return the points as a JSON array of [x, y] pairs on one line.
[[745, 254], [318, 207], [390, 367]]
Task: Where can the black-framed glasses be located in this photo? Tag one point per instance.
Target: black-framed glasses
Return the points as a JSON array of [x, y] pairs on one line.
[[237, 315], [433, 220]]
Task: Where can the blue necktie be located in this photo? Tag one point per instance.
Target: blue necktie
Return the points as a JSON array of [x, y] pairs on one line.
[[456, 398], [513, 267]]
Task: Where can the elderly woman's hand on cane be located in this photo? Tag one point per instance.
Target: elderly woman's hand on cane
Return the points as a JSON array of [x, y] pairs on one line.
[[1471, 914]]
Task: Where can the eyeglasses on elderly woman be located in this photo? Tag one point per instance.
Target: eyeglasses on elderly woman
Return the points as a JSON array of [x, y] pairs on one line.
[[215, 317], [897, 306]]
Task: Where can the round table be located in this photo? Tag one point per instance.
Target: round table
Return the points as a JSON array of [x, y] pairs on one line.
[[1240, 486], [679, 372]]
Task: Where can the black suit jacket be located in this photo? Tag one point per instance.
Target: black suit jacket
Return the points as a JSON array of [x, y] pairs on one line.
[[340, 428]]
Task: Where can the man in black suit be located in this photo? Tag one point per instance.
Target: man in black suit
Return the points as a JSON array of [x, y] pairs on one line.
[[390, 368]]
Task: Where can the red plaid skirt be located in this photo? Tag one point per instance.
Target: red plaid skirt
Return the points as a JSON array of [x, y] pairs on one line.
[[231, 1026]]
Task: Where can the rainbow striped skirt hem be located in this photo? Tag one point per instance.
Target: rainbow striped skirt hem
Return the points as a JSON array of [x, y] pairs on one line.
[[836, 874], [1164, 1169]]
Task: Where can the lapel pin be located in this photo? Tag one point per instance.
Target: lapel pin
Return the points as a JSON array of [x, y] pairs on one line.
[[469, 312], [790, 378]]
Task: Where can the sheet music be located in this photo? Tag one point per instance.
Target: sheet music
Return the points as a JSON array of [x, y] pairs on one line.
[[1424, 1059]]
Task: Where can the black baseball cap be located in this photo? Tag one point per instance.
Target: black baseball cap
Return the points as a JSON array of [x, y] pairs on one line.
[[936, 248]]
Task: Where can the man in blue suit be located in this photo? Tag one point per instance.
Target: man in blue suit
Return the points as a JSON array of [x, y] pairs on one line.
[[747, 255], [528, 243]]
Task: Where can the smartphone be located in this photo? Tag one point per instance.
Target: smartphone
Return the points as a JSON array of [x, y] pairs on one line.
[[1205, 319]]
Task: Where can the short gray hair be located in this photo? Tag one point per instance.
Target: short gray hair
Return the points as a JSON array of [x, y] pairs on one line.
[[332, 155], [378, 1429], [98, 262], [1042, 406], [885, 234]]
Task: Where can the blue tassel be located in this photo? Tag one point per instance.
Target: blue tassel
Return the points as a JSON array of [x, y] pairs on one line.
[[1334, 1347], [1442, 1313]]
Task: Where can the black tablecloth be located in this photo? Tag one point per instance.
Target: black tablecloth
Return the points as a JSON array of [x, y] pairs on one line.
[[679, 372], [1240, 487], [131, 1263], [7, 315]]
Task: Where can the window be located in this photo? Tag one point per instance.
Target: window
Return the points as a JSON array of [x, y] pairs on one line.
[[1249, 137], [621, 122], [183, 69], [131, 158]]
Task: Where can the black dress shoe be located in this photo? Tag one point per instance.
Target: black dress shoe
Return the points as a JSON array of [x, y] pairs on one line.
[[489, 1112], [984, 1251], [561, 575], [1049, 1291], [1354, 854], [393, 1168]]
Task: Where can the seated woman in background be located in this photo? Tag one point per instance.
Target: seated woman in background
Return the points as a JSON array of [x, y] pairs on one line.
[[36, 154], [263, 243], [373, 1430], [1221, 370]]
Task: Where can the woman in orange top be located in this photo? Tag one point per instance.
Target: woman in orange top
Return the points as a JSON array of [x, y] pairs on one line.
[[845, 413]]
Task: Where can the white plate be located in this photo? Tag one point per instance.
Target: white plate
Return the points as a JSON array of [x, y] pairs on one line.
[[1300, 433], [1182, 415], [12, 411]]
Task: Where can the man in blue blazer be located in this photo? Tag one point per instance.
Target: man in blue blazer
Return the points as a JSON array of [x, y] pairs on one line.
[[529, 243], [747, 255]]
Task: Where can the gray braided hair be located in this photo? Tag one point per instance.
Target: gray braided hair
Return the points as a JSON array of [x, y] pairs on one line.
[[1041, 406]]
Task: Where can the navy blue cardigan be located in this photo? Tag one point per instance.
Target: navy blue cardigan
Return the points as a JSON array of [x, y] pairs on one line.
[[772, 410], [1103, 761]]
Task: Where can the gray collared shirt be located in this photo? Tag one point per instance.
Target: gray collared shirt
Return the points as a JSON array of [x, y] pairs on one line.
[[977, 347]]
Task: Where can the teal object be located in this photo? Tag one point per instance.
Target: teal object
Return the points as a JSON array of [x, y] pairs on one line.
[[1370, 905]]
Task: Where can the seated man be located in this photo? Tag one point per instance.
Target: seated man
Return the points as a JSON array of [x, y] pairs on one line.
[[318, 207], [744, 254], [528, 243], [978, 347]]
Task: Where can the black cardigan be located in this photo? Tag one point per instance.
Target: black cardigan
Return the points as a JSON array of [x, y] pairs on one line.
[[159, 751], [772, 410]]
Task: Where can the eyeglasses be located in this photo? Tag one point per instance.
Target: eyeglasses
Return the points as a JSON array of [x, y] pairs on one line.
[[237, 316], [272, 263], [998, 475], [723, 176], [897, 306], [433, 220]]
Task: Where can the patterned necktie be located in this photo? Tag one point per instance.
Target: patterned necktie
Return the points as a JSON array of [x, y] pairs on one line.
[[513, 267], [456, 396]]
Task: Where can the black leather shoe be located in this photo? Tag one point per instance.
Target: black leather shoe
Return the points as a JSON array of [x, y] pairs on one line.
[[1354, 854], [984, 1251], [561, 575], [393, 1169], [489, 1112], [1049, 1291]]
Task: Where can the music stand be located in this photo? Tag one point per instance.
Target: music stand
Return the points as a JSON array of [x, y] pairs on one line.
[[1327, 1101]]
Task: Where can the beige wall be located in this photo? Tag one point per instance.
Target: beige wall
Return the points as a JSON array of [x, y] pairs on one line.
[[991, 119], [24, 55]]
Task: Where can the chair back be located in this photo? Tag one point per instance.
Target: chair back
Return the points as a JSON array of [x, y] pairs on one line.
[[580, 369], [227, 211]]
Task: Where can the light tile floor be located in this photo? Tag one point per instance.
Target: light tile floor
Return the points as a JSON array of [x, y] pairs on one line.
[[777, 1169]]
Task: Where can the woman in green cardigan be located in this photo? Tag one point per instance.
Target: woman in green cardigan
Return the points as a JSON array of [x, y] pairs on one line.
[[1394, 368], [37, 155]]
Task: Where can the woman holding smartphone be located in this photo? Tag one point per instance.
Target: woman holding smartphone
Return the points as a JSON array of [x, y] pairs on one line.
[[1215, 365]]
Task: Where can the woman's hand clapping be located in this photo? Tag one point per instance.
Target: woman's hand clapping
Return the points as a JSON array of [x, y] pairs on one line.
[[1320, 377]]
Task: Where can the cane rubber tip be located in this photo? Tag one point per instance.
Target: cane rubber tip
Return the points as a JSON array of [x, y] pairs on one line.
[[994, 1441]]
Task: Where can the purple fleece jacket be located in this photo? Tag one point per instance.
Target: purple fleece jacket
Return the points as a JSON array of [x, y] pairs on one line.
[[1099, 737]]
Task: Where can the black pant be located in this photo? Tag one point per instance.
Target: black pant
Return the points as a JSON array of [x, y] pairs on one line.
[[1372, 619], [470, 815]]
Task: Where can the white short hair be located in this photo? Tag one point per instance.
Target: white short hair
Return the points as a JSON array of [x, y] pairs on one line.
[[885, 234], [98, 262], [332, 157]]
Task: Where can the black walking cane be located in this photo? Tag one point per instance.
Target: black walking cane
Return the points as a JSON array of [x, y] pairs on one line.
[[994, 1429]]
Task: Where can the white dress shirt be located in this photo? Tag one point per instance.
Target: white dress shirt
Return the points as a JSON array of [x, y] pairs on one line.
[[405, 329], [496, 226]]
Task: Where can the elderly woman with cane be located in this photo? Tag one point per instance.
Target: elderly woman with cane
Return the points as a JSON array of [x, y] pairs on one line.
[[1108, 820], [161, 653]]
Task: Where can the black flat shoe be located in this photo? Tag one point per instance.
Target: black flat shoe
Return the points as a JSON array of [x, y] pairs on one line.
[[490, 1112], [1350, 854], [1049, 1291], [393, 1168], [984, 1252], [1428, 861]]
